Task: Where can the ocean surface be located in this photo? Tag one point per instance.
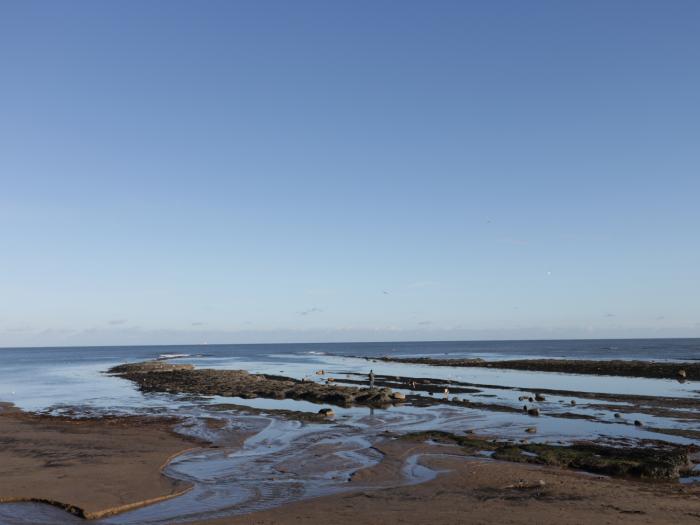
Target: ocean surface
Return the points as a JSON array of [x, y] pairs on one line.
[[228, 482], [36, 378]]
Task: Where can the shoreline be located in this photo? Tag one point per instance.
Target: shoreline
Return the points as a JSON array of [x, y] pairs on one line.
[[680, 371], [492, 490], [87, 466]]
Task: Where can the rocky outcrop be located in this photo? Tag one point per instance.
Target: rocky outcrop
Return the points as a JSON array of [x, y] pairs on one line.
[[156, 376], [614, 367], [655, 461]]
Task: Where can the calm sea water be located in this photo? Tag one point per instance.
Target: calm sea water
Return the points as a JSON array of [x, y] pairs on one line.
[[36, 378]]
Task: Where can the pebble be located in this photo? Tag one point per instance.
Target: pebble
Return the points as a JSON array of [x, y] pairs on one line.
[[534, 412], [531, 430]]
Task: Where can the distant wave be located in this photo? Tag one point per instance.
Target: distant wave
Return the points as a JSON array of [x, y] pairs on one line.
[[313, 352], [172, 356]]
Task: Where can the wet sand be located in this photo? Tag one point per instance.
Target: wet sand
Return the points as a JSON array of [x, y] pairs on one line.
[[90, 467], [487, 492], [103, 466]]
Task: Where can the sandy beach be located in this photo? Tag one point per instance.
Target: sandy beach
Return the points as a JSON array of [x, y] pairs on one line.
[[473, 491], [98, 467], [90, 467]]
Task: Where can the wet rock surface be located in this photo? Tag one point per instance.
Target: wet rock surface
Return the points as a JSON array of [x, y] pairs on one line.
[[157, 376], [617, 367], [653, 462]]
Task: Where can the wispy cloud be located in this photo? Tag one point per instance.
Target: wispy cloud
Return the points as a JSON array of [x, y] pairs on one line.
[[609, 315], [116, 322], [198, 323], [311, 311], [425, 323]]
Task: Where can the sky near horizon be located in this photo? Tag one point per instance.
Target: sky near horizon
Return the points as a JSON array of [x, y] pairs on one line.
[[182, 172]]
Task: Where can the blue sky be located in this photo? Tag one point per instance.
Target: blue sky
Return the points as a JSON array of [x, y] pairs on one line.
[[180, 172]]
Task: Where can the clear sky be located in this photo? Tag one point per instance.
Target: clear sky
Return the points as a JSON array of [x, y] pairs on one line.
[[181, 172]]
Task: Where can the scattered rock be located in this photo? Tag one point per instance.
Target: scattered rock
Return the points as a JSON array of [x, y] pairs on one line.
[[539, 397], [327, 412], [682, 373], [637, 423], [534, 412], [531, 430], [618, 415], [399, 396], [573, 402]]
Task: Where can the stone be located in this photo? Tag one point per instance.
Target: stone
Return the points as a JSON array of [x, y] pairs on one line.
[[637, 423], [531, 430], [539, 397], [398, 396], [327, 412], [682, 373], [534, 412]]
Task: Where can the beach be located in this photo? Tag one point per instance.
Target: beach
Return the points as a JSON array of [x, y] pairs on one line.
[[231, 436]]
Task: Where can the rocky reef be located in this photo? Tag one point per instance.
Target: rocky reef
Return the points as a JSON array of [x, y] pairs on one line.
[[658, 461], [616, 367], [158, 376]]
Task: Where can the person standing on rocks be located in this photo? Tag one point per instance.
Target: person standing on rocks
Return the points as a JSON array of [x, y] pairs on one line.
[[371, 378]]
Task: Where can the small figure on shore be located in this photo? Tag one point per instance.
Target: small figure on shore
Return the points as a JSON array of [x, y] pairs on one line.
[[371, 378]]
